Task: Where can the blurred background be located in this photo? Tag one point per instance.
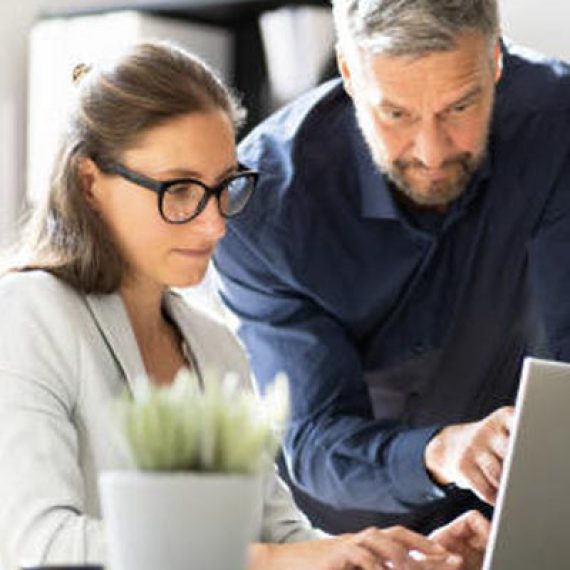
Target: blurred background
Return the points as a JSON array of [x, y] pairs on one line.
[[270, 50]]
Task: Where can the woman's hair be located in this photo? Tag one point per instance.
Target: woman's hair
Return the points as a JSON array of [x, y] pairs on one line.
[[152, 83]]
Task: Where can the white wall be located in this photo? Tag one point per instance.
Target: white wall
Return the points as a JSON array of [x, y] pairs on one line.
[[57, 45], [15, 21], [540, 24]]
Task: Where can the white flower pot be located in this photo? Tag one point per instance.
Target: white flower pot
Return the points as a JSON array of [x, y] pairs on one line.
[[179, 521]]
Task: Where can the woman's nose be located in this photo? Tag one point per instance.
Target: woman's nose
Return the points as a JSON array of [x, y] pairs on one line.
[[210, 221]]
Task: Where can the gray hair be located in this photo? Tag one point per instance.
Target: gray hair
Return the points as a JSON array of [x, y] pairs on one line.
[[413, 27]]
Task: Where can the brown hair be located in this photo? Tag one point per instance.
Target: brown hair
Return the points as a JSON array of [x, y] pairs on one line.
[[150, 84]]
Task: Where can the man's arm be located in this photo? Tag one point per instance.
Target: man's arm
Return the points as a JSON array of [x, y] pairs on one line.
[[549, 267], [337, 451]]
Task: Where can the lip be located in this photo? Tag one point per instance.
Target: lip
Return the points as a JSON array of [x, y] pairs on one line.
[[433, 174], [194, 251]]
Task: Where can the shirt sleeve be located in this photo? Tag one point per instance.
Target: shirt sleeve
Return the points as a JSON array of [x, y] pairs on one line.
[[549, 263], [335, 448], [282, 521], [42, 514]]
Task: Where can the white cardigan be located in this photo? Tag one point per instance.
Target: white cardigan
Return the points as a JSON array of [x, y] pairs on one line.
[[64, 357]]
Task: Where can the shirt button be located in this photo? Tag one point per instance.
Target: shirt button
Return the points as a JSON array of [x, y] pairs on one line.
[[419, 347]]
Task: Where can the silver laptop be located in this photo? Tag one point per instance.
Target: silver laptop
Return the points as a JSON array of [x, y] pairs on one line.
[[531, 525]]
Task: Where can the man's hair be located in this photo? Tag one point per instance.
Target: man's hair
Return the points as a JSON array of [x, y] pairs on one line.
[[412, 27], [145, 87]]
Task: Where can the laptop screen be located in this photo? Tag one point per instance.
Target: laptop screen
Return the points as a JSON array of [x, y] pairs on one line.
[[531, 524]]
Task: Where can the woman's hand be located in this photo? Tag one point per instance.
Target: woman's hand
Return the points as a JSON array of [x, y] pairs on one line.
[[372, 549], [467, 536]]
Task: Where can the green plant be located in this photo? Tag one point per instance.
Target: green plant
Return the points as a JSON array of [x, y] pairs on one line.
[[218, 428]]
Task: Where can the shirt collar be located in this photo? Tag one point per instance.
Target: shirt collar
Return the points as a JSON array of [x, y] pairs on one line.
[[376, 199]]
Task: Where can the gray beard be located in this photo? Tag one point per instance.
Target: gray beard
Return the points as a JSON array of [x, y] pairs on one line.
[[440, 194]]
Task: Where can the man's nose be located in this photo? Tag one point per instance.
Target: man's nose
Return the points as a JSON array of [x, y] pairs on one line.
[[432, 145]]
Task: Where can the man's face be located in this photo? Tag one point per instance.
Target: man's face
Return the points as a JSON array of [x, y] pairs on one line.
[[425, 119]]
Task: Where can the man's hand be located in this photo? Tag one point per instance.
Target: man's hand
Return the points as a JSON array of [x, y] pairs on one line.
[[471, 455], [467, 536]]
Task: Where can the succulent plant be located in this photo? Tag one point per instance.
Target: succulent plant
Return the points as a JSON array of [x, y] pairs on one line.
[[218, 428]]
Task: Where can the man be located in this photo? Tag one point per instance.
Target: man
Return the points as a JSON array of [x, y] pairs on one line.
[[408, 245]]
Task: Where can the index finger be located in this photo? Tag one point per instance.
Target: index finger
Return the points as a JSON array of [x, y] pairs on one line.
[[506, 416], [480, 529]]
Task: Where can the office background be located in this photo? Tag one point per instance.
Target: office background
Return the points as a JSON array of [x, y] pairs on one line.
[[539, 25]]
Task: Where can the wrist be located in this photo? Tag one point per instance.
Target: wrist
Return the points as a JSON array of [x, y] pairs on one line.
[[434, 459]]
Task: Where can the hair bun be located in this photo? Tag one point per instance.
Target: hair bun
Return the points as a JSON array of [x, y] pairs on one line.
[[79, 71]]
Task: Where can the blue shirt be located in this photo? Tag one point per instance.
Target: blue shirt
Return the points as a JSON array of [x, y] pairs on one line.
[[392, 322]]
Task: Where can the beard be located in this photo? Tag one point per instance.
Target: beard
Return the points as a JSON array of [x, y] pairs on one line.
[[436, 193], [403, 173]]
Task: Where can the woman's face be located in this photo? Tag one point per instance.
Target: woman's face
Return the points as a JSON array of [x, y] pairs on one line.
[[197, 145]]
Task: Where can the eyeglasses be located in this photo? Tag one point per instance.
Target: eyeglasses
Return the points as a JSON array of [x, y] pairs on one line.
[[183, 199]]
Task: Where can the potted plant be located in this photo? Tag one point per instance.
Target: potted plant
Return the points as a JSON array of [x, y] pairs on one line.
[[194, 495]]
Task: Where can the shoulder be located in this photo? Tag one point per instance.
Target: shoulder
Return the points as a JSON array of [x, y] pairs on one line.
[[300, 151], [281, 129], [299, 139], [40, 317], [532, 83], [36, 292], [532, 115]]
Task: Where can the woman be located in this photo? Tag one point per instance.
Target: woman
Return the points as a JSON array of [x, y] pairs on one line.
[[145, 176]]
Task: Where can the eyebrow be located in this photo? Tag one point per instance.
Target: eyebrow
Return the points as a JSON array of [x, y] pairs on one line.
[[467, 98], [470, 95], [185, 173]]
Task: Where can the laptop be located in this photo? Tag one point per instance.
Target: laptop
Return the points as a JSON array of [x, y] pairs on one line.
[[531, 524]]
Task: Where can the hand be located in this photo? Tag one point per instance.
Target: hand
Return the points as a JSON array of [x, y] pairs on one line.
[[467, 536], [395, 548], [471, 455]]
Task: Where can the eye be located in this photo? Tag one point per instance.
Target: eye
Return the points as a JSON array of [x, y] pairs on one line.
[[393, 115], [460, 108], [182, 190], [184, 193]]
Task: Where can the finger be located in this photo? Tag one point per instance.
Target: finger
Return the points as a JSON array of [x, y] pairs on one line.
[[413, 541], [360, 557], [491, 467], [473, 478], [505, 416], [449, 562], [499, 444], [384, 547], [471, 529], [478, 527]]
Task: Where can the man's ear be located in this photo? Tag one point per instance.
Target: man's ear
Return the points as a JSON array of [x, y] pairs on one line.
[[88, 175], [498, 61], [344, 70]]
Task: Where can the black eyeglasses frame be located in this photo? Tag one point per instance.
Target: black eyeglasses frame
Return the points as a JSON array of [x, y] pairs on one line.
[[160, 187]]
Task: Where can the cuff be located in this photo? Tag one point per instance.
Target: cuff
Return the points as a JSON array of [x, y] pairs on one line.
[[411, 481]]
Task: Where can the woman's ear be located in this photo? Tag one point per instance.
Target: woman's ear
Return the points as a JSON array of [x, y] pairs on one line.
[[89, 175]]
